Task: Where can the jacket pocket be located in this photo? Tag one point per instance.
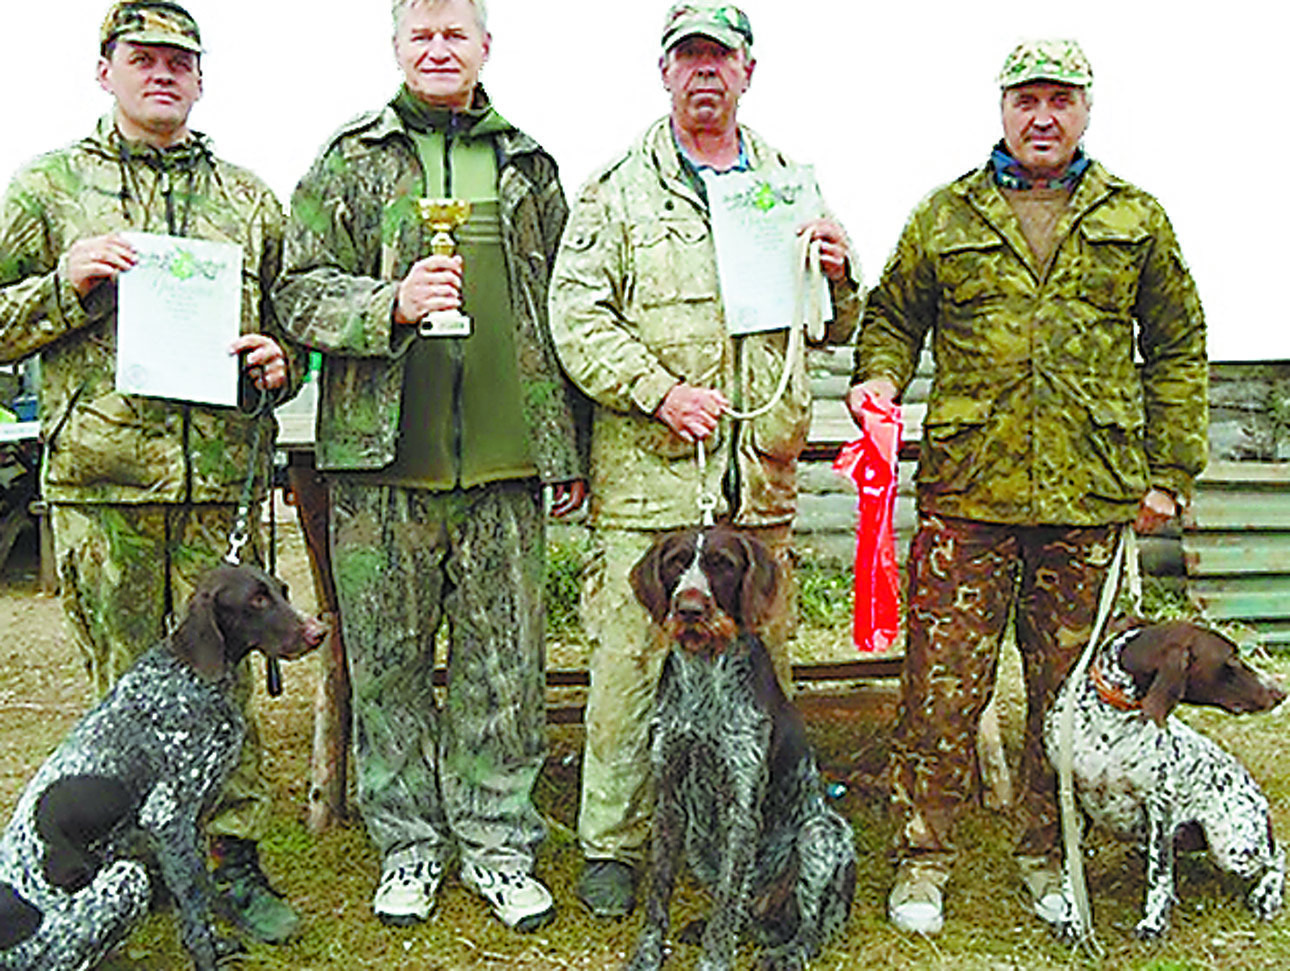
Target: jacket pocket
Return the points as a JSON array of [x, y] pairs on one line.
[[968, 267], [1116, 459], [954, 436], [674, 262], [118, 441], [1110, 262], [655, 438]]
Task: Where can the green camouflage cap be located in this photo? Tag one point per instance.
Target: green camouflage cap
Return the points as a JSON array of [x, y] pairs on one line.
[[151, 22], [723, 22], [1046, 60]]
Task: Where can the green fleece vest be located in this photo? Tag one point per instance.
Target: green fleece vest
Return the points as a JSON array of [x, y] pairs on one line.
[[461, 421]]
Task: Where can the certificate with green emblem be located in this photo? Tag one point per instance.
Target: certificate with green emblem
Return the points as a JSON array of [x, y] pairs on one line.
[[178, 310], [755, 217]]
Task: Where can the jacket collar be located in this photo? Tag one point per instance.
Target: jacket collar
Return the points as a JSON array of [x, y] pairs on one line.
[[510, 143], [661, 152], [982, 194], [107, 141]]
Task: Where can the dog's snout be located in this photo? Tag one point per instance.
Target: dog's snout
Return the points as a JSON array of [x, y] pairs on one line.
[[316, 631], [690, 604], [1276, 693]]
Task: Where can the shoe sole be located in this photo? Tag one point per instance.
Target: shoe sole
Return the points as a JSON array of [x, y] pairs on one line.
[[400, 920], [534, 922]]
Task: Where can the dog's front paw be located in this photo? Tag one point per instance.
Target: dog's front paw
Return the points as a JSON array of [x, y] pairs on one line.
[[1067, 931], [1267, 895], [1150, 929]]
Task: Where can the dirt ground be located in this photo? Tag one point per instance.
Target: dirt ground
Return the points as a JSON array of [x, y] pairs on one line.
[[43, 690]]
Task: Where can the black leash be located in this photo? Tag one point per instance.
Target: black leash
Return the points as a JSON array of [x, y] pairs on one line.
[[241, 533]]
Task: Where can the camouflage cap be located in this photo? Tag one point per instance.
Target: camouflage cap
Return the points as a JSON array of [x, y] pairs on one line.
[[1046, 60], [723, 22], [151, 22]]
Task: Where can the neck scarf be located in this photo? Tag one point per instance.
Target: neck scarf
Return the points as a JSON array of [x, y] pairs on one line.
[[1009, 174]]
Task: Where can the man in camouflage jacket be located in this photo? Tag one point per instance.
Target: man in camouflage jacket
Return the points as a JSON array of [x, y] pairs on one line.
[[640, 327], [436, 450], [144, 491], [1037, 276]]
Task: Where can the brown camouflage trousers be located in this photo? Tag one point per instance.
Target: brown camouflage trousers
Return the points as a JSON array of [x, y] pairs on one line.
[[458, 775], [626, 661], [966, 579], [121, 569]]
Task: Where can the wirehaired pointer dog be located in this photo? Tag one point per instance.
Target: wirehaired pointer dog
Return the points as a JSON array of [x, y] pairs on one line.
[[131, 781], [737, 792], [1152, 780]]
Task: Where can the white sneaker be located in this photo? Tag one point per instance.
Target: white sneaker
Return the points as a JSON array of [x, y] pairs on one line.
[[406, 893], [1042, 879], [915, 904], [519, 899]]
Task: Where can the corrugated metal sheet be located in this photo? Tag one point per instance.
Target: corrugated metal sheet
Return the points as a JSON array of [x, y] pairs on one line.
[[1236, 546]]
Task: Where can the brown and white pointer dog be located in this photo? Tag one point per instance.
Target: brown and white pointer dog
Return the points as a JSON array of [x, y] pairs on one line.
[[130, 783], [737, 792], [1150, 779]]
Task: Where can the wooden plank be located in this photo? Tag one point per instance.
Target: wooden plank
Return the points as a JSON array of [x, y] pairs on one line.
[[882, 666], [1274, 474], [1239, 510], [1226, 553], [1241, 603]]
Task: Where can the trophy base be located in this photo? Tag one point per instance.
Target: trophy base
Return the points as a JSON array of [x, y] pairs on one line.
[[444, 323]]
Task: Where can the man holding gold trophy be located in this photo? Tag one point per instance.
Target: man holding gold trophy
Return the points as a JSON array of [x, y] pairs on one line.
[[418, 256]]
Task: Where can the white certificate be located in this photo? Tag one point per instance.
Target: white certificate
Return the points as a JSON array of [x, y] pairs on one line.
[[178, 310], [755, 216]]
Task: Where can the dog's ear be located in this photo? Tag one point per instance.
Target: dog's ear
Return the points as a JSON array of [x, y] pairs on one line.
[[647, 581], [199, 640], [1158, 658], [760, 583]]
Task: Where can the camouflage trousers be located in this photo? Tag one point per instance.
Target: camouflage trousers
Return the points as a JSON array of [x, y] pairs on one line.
[[627, 653], [965, 579], [457, 776], [122, 570]]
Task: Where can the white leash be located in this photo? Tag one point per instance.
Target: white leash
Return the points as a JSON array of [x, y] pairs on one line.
[[808, 318], [1124, 562]]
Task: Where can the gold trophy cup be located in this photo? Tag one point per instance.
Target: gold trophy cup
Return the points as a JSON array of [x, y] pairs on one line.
[[442, 217]]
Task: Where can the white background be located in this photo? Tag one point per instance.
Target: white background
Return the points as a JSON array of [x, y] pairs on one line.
[[887, 100]]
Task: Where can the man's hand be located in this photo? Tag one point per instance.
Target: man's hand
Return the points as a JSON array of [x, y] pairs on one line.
[[880, 389], [692, 412], [432, 284], [1156, 509], [265, 362], [833, 246], [568, 497], [92, 260]]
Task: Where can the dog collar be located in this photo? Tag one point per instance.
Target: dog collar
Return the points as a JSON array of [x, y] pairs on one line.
[[1113, 695]]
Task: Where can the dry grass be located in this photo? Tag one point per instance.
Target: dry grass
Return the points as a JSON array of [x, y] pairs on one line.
[[330, 878]]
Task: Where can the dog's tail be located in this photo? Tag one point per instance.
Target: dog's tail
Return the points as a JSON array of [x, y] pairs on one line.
[[18, 919]]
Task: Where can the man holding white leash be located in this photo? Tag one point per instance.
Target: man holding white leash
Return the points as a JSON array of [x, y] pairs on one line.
[[640, 326], [1037, 276]]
